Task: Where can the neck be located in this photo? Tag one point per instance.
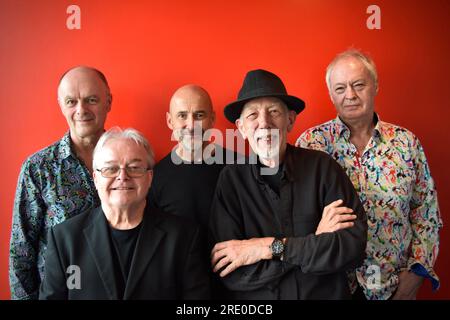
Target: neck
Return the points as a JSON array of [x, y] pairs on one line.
[[275, 161], [191, 155], [360, 132], [124, 218], [83, 147], [360, 126]]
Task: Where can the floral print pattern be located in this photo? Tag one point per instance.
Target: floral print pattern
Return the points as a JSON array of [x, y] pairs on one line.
[[394, 184], [53, 186]]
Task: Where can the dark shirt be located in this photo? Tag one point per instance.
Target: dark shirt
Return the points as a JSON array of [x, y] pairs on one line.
[[273, 180], [124, 243], [185, 189], [313, 266]]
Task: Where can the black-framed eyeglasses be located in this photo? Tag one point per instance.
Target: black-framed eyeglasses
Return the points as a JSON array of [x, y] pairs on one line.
[[113, 172]]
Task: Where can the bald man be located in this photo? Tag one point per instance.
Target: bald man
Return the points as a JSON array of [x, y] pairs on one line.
[[184, 181], [56, 182]]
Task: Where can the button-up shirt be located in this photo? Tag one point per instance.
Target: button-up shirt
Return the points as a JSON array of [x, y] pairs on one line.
[[313, 267], [394, 184], [53, 186]]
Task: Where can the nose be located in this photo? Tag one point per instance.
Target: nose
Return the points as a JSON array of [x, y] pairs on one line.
[[264, 120], [81, 107], [350, 93], [190, 122], [123, 174]]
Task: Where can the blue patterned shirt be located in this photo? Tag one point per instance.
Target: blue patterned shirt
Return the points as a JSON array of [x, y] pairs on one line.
[[53, 186], [394, 183]]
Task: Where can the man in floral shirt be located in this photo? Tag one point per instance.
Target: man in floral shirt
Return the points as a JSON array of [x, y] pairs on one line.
[[56, 182], [388, 168]]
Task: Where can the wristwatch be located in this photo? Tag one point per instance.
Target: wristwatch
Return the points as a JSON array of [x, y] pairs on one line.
[[277, 248]]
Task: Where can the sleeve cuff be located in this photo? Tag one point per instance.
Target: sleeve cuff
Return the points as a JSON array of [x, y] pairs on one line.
[[420, 270]]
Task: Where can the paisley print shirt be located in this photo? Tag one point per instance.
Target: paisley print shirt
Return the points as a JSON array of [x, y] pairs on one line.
[[394, 184], [53, 186]]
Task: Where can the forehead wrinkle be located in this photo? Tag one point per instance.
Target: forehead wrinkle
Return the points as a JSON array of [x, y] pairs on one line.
[[191, 98]]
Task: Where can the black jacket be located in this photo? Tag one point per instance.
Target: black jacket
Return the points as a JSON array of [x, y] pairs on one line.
[[167, 262], [314, 267]]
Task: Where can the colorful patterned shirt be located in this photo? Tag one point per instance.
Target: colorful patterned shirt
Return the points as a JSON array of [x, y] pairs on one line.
[[394, 184], [53, 186]]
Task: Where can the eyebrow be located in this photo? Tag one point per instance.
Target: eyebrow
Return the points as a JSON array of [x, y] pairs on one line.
[[194, 112], [351, 82], [86, 97], [128, 162]]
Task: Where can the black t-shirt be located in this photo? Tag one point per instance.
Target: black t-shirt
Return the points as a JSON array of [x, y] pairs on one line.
[[185, 189], [273, 180], [124, 243]]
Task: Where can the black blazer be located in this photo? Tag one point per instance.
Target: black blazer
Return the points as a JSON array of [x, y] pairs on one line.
[[167, 262]]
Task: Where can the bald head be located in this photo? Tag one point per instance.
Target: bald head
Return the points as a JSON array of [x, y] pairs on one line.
[[87, 70], [85, 100], [191, 94], [190, 108]]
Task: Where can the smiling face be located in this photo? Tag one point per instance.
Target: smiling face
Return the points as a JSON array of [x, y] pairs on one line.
[[85, 101], [123, 191], [352, 90], [190, 116], [265, 122]]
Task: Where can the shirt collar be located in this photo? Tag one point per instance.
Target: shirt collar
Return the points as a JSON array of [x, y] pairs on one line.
[[64, 147], [343, 131]]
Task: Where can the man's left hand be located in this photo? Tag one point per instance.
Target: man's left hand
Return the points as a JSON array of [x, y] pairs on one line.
[[409, 284], [233, 254]]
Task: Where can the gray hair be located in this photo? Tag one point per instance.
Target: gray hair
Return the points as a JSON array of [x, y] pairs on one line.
[[129, 133], [364, 58]]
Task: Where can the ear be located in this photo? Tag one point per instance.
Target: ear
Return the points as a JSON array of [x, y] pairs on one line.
[[95, 176], [169, 120], [150, 173], [109, 99], [292, 115], [213, 119], [60, 103], [240, 125]]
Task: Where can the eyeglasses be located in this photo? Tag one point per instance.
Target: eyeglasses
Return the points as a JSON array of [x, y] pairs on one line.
[[113, 172]]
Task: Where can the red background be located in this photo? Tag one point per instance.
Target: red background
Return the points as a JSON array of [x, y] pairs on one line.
[[147, 49]]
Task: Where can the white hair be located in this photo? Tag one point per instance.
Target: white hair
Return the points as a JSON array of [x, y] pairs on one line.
[[129, 133], [365, 60]]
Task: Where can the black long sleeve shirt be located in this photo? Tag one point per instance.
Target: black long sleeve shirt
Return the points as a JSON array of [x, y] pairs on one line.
[[313, 267]]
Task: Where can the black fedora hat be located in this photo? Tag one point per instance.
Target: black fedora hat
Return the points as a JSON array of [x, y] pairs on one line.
[[257, 84]]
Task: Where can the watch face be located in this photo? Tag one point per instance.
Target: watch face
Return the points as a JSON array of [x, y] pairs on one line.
[[277, 247]]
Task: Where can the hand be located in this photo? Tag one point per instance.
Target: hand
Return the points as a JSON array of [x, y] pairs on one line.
[[236, 253], [335, 218], [409, 284]]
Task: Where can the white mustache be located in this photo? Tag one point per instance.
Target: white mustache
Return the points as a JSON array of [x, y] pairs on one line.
[[273, 134]]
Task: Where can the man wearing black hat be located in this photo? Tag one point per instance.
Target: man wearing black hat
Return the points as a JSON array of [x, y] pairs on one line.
[[298, 220]]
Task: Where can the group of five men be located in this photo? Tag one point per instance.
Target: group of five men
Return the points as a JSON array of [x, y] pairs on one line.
[[359, 220]]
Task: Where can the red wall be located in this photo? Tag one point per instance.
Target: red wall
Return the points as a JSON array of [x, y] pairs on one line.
[[149, 48]]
